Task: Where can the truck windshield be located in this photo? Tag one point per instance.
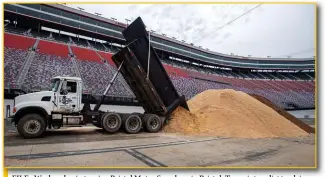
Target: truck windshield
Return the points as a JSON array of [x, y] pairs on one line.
[[55, 85]]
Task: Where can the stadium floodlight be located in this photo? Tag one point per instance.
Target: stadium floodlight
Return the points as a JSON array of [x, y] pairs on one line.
[[98, 14], [127, 21], [81, 9]]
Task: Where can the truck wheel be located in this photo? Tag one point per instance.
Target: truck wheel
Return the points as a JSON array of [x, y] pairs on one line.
[[132, 124], [31, 126], [152, 123], [111, 122]]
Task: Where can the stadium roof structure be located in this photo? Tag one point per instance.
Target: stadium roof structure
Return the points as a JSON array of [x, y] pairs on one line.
[[68, 19]]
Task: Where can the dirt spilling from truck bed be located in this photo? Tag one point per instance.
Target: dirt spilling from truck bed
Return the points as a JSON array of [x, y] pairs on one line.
[[230, 113]]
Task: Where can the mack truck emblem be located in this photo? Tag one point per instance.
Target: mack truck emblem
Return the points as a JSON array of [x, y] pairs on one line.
[[66, 100]]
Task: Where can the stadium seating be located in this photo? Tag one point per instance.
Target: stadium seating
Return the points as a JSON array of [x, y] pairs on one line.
[[44, 67], [15, 29], [14, 59], [40, 34], [107, 56], [18, 42], [80, 42], [97, 45], [51, 59], [97, 75], [53, 48], [85, 54], [60, 38]]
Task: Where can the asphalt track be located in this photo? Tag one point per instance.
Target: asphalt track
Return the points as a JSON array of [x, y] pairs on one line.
[[90, 146]]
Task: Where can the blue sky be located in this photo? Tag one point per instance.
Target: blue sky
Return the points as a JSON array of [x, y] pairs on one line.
[[275, 30]]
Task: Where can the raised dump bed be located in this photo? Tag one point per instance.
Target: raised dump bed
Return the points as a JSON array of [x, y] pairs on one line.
[[157, 94]]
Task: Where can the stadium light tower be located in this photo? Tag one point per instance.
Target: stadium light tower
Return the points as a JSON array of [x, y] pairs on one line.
[[81, 9], [127, 21]]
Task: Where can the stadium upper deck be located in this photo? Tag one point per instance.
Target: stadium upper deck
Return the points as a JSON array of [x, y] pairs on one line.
[[83, 23]]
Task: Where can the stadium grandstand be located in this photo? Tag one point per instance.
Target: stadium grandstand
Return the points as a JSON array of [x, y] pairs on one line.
[[42, 41]]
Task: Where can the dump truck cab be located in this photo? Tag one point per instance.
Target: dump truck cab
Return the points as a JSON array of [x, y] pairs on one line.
[[67, 94]]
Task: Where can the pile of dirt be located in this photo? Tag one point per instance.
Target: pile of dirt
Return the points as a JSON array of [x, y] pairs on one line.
[[285, 114], [230, 113]]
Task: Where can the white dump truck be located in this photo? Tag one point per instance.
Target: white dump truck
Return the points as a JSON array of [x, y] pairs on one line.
[[140, 66]]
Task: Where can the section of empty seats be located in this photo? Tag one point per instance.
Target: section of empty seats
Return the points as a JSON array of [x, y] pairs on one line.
[[41, 34], [96, 76], [85, 54], [175, 71], [14, 59], [44, 67], [53, 48], [295, 85], [97, 45], [208, 77], [17, 41], [107, 57], [80, 41], [60, 37], [10, 27]]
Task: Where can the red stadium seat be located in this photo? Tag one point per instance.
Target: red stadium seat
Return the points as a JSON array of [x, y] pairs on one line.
[[53, 48], [18, 42], [175, 71], [107, 56], [85, 54]]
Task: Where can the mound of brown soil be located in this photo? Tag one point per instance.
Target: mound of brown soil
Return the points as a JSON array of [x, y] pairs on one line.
[[229, 113], [285, 114]]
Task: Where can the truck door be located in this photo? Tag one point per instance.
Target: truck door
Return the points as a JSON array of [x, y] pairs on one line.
[[68, 96]]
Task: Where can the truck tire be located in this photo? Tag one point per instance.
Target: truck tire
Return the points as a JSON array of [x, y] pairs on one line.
[[132, 123], [152, 123], [111, 122], [31, 126]]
